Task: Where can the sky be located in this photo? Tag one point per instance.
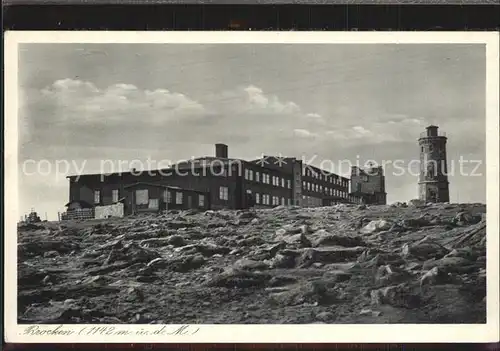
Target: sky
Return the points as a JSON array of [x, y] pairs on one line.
[[82, 106]]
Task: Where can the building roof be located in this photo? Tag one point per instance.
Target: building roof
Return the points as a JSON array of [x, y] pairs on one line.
[[326, 172], [162, 186], [273, 163], [200, 162], [203, 162], [210, 161]]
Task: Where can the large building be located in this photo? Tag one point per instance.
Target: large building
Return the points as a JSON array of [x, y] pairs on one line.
[[369, 185], [214, 183], [433, 179]]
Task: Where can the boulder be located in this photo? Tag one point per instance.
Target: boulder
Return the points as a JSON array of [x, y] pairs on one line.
[[246, 264], [130, 252], [325, 316], [418, 222], [465, 218], [247, 215], [39, 247], [274, 249], [240, 279], [326, 239], [451, 264], [434, 276], [376, 226], [254, 240], [312, 292], [369, 312], [329, 255], [51, 254], [396, 295], [280, 281], [423, 250], [176, 241], [337, 276], [389, 275], [298, 239], [208, 250], [465, 252], [416, 203], [177, 264], [179, 223], [282, 261], [375, 258], [399, 204]]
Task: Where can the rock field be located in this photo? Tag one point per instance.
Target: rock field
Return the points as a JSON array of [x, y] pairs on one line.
[[401, 263]]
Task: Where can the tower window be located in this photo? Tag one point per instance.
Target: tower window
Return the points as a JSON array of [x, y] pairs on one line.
[[422, 149]]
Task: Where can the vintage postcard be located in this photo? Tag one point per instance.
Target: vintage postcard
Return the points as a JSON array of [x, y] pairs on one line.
[[251, 187]]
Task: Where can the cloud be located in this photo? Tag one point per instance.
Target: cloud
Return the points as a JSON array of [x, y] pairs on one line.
[[66, 86], [269, 103], [304, 133], [388, 131], [313, 116], [124, 115], [80, 113], [75, 100]]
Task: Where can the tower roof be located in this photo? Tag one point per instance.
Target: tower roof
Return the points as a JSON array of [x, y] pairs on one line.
[[431, 126]]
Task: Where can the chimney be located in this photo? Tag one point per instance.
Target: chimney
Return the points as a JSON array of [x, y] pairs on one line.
[[221, 150]]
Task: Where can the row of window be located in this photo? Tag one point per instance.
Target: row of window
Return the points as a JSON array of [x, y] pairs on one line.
[[179, 198], [320, 189], [277, 181], [115, 196], [327, 178], [266, 179], [249, 175], [142, 197], [266, 199]]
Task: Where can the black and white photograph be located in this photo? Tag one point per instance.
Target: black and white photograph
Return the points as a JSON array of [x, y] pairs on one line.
[[286, 181]]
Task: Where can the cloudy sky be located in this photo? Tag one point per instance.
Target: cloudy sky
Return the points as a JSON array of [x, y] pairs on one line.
[[332, 103]]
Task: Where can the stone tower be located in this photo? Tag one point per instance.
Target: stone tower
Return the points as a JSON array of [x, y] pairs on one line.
[[433, 178]]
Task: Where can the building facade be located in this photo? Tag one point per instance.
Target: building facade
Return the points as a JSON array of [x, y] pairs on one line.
[[214, 183], [310, 186], [369, 185], [433, 185]]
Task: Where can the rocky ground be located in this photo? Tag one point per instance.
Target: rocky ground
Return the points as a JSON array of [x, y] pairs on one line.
[[343, 264]]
